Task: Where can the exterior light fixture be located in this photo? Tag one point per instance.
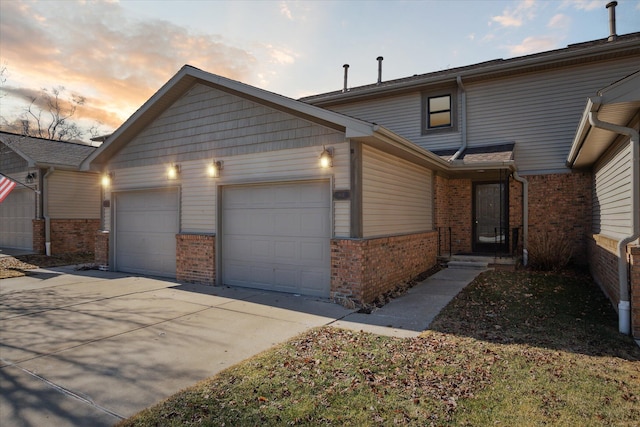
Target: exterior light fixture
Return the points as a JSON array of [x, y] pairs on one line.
[[173, 171], [31, 176], [326, 157], [106, 179], [214, 168]]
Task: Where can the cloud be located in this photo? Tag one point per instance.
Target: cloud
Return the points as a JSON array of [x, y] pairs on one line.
[[585, 4], [559, 22], [284, 10], [532, 45], [515, 17], [115, 62]]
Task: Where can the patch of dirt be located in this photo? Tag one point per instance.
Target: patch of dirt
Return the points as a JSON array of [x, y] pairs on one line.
[[18, 266]]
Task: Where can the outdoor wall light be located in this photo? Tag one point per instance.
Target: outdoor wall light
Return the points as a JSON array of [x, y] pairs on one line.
[[213, 170], [173, 171], [31, 176], [106, 179], [326, 157]]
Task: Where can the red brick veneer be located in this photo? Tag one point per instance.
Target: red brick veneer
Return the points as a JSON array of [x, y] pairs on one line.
[[196, 258], [635, 291], [363, 269], [73, 235], [38, 236], [102, 248]]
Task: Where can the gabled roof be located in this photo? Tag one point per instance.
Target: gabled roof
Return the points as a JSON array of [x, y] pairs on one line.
[[39, 152], [618, 103], [186, 78], [596, 50]]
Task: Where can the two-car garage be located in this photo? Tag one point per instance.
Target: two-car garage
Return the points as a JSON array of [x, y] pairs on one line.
[[272, 236]]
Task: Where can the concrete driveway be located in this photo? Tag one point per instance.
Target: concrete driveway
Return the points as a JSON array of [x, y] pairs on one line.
[[90, 348]]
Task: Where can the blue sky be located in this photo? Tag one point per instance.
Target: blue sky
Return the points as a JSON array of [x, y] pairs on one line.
[[117, 54]]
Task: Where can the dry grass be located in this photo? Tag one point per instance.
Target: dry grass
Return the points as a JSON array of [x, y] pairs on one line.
[[512, 349]]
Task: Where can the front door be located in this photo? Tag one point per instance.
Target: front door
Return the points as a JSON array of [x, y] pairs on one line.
[[490, 217]]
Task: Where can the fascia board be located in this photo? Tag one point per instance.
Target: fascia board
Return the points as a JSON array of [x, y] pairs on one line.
[[582, 132]]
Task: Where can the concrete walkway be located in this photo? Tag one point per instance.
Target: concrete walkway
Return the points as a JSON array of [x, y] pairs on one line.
[[93, 347], [412, 313]]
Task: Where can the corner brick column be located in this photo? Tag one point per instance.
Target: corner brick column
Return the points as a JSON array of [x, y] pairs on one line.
[[635, 291], [364, 269], [196, 258], [101, 251], [38, 236]]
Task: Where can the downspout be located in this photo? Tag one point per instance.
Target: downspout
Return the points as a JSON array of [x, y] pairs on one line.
[[45, 212], [525, 216], [624, 306], [463, 119]]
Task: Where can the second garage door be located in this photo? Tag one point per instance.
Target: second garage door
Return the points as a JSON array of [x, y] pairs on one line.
[[276, 237], [146, 224], [16, 219]]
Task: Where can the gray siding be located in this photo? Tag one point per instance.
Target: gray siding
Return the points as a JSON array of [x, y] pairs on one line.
[[397, 195], [612, 193], [10, 162], [207, 122], [538, 111], [74, 195]]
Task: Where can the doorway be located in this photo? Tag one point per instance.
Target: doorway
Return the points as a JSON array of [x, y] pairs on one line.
[[490, 217]]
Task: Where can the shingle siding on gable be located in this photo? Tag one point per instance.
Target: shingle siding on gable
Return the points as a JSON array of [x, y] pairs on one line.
[[211, 122]]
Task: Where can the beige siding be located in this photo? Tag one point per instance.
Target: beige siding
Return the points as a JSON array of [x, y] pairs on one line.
[[612, 193], [397, 195], [206, 123], [74, 195], [198, 191]]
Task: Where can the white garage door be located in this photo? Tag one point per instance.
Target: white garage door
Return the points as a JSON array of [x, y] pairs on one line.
[[16, 214], [146, 224], [276, 237]]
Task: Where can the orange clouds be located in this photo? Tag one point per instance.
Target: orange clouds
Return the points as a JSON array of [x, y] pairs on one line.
[[96, 51]]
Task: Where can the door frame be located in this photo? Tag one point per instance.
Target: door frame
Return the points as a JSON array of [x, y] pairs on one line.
[[492, 248]]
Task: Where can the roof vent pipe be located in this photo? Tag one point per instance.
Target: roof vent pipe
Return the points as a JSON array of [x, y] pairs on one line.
[[346, 71], [379, 58], [612, 20]]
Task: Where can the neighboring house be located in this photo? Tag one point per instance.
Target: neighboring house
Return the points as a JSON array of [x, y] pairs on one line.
[[467, 160], [54, 204]]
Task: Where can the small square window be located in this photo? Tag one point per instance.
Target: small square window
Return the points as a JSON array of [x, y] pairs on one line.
[[439, 112]]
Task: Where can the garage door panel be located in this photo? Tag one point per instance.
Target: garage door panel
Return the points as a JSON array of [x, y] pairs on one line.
[[277, 237], [146, 223], [16, 214]]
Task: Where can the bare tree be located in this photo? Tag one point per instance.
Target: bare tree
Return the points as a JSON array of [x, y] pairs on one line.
[[48, 115]]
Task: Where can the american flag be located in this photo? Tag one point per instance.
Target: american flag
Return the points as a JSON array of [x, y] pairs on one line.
[[6, 185]]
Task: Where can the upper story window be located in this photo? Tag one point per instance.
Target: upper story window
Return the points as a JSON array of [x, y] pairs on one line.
[[438, 112]]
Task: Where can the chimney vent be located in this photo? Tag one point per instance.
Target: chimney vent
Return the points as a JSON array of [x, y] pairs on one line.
[[612, 20], [379, 58], [346, 71]]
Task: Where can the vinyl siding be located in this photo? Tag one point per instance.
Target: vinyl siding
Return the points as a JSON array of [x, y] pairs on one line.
[[74, 195], [612, 193], [199, 192], [207, 122], [10, 162], [397, 195], [538, 111]]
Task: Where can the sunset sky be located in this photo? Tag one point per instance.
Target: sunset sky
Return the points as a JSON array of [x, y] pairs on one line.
[[116, 54]]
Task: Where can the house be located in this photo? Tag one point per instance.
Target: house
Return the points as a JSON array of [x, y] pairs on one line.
[[218, 182], [54, 208]]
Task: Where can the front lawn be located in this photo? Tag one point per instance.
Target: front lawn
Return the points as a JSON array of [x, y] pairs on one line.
[[512, 349]]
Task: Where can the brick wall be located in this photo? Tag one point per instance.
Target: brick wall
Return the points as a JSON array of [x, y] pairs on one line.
[[560, 204], [363, 269], [73, 235], [635, 291], [460, 214], [102, 248], [38, 236], [603, 264], [441, 212], [515, 215], [196, 258]]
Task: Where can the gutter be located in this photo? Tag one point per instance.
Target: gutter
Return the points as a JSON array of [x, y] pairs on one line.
[[45, 211], [463, 119], [624, 306]]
